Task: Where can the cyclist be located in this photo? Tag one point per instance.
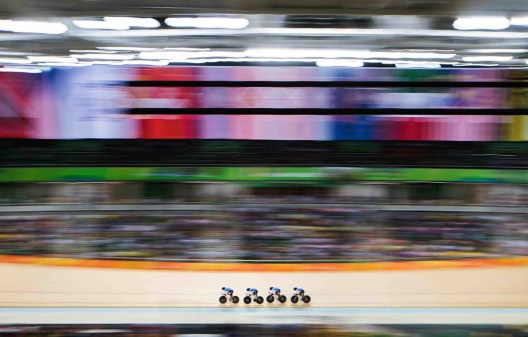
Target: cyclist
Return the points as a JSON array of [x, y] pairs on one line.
[[228, 291], [299, 291], [253, 291], [275, 291]]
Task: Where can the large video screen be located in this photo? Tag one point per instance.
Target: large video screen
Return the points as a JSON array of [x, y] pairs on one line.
[[133, 103]]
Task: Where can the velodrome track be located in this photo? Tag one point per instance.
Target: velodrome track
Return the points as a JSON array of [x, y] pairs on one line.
[[26, 285]]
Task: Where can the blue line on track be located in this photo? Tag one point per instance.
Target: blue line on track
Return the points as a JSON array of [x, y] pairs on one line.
[[267, 310]]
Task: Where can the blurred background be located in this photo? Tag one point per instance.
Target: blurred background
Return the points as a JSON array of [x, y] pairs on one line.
[[259, 330], [264, 137]]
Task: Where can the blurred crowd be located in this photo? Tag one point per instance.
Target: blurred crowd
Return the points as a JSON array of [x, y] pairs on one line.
[[269, 330], [266, 233], [264, 192]]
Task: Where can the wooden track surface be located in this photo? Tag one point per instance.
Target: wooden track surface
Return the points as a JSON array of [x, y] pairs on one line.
[[46, 286]]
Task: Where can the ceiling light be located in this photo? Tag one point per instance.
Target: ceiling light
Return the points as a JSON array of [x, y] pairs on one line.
[[16, 53], [519, 21], [93, 24], [425, 50], [168, 55], [370, 32], [164, 55], [304, 53], [112, 63], [188, 49], [340, 53], [234, 54], [146, 63], [263, 59], [133, 22], [409, 61], [93, 51], [412, 55], [106, 56], [275, 60], [498, 51], [252, 60], [208, 22], [20, 70], [305, 32], [487, 58], [14, 60], [427, 65], [191, 61], [475, 64], [477, 23], [114, 49], [60, 64], [184, 55], [33, 27], [339, 63], [53, 59]]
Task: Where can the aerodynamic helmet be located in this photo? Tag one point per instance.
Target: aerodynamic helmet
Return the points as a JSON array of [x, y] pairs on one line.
[[271, 288], [247, 289], [223, 288], [295, 288]]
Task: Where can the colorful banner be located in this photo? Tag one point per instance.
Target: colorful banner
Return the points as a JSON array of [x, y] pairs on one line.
[[24, 100], [261, 174], [95, 103]]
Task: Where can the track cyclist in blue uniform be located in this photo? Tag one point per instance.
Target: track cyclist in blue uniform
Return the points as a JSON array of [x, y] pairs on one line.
[[254, 291], [227, 291], [252, 295], [299, 291], [275, 293], [300, 295], [227, 295]]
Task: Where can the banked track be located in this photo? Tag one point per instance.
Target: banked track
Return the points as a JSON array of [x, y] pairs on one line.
[[30, 285]]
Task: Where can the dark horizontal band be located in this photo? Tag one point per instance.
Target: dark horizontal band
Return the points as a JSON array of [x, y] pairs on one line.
[[317, 111], [328, 84]]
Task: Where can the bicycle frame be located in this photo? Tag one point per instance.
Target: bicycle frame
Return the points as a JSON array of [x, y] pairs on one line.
[[227, 295]]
